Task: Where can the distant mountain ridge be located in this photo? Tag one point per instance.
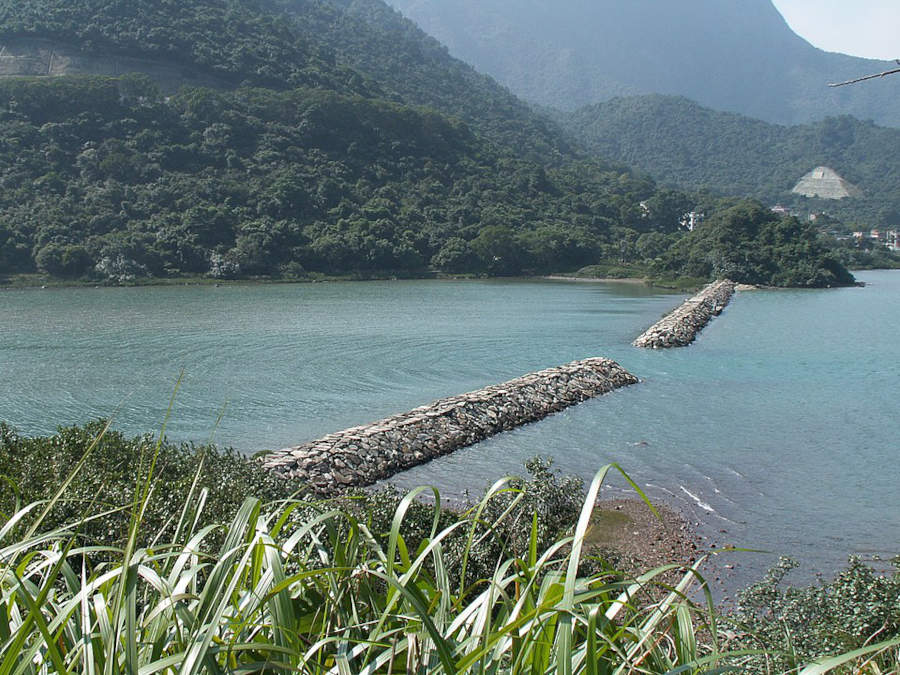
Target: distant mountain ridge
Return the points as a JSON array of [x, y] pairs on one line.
[[732, 55], [681, 143]]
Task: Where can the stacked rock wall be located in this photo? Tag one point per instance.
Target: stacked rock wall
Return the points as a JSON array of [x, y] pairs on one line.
[[362, 455], [681, 326]]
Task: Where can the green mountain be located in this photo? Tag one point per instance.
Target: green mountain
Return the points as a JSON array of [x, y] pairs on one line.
[[355, 47], [679, 142], [284, 138], [734, 55], [314, 152]]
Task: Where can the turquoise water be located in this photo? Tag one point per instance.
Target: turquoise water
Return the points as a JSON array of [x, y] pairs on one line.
[[777, 430]]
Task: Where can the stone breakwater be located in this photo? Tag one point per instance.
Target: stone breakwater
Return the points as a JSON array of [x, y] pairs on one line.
[[365, 454], [681, 325]]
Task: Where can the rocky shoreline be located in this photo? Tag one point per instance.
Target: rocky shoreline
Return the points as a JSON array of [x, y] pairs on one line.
[[681, 326], [633, 539], [362, 455]]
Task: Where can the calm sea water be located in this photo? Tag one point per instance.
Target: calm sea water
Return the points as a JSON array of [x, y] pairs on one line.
[[777, 430]]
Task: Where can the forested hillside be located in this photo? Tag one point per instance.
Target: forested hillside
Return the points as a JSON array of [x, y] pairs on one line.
[[735, 55], [349, 46], [681, 143], [108, 174], [341, 140]]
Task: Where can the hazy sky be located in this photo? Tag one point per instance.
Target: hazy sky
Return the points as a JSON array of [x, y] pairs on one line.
[[869, 28]]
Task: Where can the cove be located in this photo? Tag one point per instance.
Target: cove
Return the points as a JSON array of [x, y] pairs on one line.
[[777, 425]]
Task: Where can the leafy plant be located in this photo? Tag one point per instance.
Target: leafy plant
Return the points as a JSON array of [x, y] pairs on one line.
[[35, 468], [851, 614]]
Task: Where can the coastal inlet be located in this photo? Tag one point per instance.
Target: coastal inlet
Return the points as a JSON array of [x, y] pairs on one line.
[[680, 327], [363, 455]]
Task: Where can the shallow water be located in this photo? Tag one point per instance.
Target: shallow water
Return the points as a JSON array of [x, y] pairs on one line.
[[778, 426]]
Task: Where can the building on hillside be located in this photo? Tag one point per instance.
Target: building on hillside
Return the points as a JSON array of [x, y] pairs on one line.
[[825, 183], [888, 238], [690, 220]]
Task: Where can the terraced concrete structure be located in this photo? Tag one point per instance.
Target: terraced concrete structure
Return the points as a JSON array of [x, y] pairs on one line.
[[362, 455], [36, 57], [681, 326], [825, 183]]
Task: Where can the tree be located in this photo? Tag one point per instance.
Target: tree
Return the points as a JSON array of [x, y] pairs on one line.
[[63, 260], [455, 256], [498, 250]]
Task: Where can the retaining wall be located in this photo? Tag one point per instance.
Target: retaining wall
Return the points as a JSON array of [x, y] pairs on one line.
[[362, 455], [680, 327]]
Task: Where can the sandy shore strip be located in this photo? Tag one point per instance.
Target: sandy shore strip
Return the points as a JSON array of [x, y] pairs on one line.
[[633, 539], [597, 280]]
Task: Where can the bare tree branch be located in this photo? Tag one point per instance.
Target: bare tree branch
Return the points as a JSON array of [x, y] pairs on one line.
[[868, 77]]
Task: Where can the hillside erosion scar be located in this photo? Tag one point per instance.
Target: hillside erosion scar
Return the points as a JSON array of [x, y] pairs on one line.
[[681, 326], [363, 455]]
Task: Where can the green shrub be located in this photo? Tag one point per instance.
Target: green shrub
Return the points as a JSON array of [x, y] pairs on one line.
[[500, 522], [794, 625], [36, 467], [313, 587]]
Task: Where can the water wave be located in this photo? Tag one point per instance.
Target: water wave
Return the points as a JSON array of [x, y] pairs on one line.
[[702, 504]]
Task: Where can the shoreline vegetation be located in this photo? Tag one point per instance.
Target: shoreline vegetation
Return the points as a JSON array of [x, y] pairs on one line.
[[382, 579], [260, 183], [37, 282], [743, 241]]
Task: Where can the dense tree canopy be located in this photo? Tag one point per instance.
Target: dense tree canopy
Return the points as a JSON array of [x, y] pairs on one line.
[[681, 143], [340, 139], [349, 46], [749, 244], [107, 178]]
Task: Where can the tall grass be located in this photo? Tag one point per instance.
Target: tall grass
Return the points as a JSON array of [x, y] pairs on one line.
[[305, 587], [301, 587]]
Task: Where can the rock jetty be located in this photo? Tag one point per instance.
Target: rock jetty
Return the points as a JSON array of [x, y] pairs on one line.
[[681, 325], [362, 455]]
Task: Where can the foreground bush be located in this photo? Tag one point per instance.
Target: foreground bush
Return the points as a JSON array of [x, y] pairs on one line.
[[543, 507], [309, 589], [114, 465], [857, 609], [374, 584]]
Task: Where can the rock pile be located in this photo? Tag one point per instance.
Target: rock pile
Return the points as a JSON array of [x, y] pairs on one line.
[[362, 455], [681, 325]]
